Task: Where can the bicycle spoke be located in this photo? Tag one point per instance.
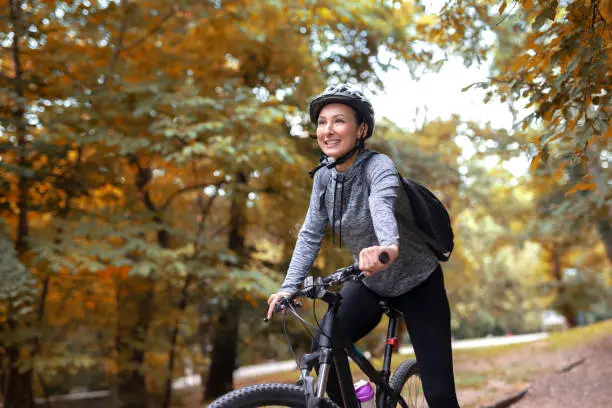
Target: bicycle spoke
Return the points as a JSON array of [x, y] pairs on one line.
[[412, 392]]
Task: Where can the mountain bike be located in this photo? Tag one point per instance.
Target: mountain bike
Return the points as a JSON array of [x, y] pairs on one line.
[[403, 388]]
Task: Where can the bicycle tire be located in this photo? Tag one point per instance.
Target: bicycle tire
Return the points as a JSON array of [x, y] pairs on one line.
[[406, 380], [265, 395]]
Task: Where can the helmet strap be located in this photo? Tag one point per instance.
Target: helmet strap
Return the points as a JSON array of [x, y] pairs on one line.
[[360, 145], [344, 158]]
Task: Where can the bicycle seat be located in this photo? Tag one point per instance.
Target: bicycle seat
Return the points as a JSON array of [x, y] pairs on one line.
[[389, 310]]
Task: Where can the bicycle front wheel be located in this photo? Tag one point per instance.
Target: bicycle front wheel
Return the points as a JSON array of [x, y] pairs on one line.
[[266, 395], [406, 381]]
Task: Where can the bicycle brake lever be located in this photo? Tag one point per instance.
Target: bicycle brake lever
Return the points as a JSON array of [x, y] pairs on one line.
[[278, 307], [359, 277], [282, 305]]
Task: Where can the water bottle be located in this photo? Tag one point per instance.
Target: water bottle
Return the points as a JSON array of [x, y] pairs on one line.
[[365, 394]]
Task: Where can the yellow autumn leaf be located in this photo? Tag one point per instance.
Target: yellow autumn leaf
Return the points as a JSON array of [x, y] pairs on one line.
[[326, 13], [535, 162], [581, 187], [428, 20]]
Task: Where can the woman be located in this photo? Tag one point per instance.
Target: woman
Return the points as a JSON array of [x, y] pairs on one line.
[[360, 200]]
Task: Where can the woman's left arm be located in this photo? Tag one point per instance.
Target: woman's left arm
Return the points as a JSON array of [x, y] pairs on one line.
[[383, 182]]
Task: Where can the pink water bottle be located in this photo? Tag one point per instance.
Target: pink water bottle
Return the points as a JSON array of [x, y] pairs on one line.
[[365, 394]]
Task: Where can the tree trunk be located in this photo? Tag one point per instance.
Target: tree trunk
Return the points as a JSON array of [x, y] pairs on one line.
[[225, 351], [601, 189], [173, 339], [135, 301], [18, 392], [563, 306], [605, 232]]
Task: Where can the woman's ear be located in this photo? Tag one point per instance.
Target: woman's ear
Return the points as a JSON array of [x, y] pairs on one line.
[[363, 130]]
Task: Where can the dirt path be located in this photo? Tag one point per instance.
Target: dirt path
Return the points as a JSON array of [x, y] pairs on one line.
[[586, 382], [569, 378]]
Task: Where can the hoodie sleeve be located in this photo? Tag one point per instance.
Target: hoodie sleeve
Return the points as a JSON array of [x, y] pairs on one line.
[[309, 238], [383, 180]]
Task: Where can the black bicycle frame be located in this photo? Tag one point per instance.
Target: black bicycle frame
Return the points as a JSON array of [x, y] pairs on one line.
[[342, 348]]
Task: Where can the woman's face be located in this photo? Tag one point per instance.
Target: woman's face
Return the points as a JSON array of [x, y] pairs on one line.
[[337, 129]]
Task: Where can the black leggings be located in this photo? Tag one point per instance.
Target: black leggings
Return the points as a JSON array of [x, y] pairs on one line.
[[427, 317]]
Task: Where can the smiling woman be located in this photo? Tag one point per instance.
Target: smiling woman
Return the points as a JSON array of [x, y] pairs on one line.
[[357, 191]]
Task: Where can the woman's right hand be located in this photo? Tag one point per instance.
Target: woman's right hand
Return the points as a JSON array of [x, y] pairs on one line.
[[273, 300]]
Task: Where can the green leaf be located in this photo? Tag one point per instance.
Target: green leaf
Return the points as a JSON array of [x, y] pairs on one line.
[[547, 14]]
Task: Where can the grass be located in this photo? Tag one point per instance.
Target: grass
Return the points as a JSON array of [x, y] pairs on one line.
[[580, 335]]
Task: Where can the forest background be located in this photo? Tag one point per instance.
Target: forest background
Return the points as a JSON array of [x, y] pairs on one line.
[[153, 174]]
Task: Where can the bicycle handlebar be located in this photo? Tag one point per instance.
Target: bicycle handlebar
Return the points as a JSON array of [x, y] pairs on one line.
[[349, 273], [316, 288]]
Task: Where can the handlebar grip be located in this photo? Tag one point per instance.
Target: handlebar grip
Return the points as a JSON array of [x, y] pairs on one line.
[[383, 258], [282, 305], [278, 307]]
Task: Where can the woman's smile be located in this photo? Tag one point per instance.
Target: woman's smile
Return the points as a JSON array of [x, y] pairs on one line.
[[332, 142]]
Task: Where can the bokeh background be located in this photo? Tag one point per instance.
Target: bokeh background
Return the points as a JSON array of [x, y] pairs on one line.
[[154, 158]]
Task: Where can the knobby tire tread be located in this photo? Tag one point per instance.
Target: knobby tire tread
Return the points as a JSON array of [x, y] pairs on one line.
[[401, 375], [403, 372], [266, 394]]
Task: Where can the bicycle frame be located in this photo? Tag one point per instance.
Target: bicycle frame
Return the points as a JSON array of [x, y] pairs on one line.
[[336, 348]]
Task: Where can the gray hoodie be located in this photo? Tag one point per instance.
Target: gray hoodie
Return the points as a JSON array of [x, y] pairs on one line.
[[361, 204]]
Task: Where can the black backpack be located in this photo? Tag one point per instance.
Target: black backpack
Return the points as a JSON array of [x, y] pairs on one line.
[[430, 217]]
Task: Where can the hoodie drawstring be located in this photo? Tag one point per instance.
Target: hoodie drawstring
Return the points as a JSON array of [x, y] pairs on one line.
[[341, 214], [338, 178], [334, 212]]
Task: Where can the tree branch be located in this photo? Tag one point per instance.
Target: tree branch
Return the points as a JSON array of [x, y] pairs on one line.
[[186, 189], [119, 44], [152, 31]]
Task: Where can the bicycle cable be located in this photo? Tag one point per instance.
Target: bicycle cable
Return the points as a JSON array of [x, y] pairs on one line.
[[297, 364], [314, 312], [305, 323]]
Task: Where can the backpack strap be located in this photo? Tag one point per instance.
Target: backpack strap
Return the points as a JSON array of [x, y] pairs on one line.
[[402, 217]]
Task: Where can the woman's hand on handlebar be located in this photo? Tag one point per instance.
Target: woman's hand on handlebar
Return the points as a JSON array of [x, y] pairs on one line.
[[273, 300], [369, 262]]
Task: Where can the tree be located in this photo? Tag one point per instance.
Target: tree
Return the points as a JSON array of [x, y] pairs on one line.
[[115, 106], [559, 67]]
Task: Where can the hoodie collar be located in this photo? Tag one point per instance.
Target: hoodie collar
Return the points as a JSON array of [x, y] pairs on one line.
[[355, 167]]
